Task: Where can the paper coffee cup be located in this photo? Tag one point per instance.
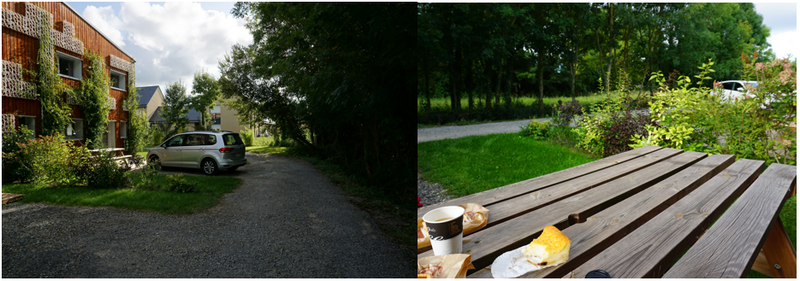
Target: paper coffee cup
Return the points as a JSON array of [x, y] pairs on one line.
[[446, 229]]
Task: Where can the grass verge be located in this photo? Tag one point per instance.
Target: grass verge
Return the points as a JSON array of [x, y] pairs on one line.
[[210, 191], [393, 218], [473, 164]]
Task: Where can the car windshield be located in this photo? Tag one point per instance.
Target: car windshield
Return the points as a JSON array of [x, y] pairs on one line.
[[232, 139]]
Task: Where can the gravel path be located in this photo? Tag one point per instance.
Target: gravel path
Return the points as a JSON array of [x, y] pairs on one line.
[[454, 132], [285, 220]]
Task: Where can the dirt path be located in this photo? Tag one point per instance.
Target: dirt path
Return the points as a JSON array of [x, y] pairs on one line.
[[286, 220], [454, 132]]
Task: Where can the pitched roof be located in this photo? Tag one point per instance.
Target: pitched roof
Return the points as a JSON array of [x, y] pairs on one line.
[[145, 94], [192, 115]]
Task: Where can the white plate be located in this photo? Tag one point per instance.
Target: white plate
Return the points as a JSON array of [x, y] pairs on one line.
[[514, 264]]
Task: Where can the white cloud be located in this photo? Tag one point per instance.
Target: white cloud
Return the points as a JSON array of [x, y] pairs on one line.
[[784, 43], [170, 41], [103, 18]]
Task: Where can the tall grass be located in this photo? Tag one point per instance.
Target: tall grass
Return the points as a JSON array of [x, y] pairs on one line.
[[443, 103]]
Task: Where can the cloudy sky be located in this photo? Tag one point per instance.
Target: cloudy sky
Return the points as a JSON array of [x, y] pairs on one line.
[[173, 40], [168, 40]]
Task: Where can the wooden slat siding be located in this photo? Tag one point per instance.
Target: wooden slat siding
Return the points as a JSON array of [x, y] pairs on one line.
[[486, 245], [520, 205], [729, 247], [650, 250], [610, 225], [24, 49], [489, 197]]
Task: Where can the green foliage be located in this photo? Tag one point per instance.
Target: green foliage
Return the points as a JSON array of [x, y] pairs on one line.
[[335, 79], [175, 108], [55, 111], [158, 136], [611, 125], [178, 183], [13, 140], [207, 92], [535, 129], [46, 160], [103, 171], [247, 136], [139, 132], [93, 100], [696, 118]]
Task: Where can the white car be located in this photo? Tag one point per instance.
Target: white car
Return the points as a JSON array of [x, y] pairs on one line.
[[732, 89], [210, 151]]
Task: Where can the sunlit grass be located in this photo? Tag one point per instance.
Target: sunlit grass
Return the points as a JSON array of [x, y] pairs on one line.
[[444, 102], [210, 191]]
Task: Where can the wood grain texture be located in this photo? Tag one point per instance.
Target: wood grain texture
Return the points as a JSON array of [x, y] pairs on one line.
[[778, 250], [517, 206], [729, 248], [492, 196], [649, 250], [612, 224], [486, 245]]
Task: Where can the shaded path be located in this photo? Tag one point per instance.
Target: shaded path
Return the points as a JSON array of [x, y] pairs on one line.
[[454, 132]]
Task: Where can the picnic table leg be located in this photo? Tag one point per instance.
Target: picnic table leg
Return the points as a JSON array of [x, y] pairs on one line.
[[777, 257]]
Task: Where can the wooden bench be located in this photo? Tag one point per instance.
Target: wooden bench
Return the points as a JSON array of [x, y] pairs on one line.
[[117, 154], [725, 251], [631, 214]]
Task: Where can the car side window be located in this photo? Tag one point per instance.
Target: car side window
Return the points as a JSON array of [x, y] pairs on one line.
[[211, 139], [727, 86], [176, 141], [194, 139]]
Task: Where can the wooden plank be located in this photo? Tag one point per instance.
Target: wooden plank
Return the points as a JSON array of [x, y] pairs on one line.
[[649, 250], [779, 252], [520, 205], [502, 193], [610, 225], [486, 245], [729, 248]]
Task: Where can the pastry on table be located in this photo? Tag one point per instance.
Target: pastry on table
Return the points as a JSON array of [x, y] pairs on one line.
[[551, 247]]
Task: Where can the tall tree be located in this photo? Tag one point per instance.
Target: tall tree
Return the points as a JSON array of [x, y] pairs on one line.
[[206, 93], [175, 108]]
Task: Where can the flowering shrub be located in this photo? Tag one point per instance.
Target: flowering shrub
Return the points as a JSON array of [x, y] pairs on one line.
[[44, 160], [12, 168]]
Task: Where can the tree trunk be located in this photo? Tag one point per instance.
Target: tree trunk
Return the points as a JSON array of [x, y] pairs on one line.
[[539, 74], [426, 78], [487, 86], [499, 82]]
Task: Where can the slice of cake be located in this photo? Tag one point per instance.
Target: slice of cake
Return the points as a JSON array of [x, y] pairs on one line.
[[552, 247]]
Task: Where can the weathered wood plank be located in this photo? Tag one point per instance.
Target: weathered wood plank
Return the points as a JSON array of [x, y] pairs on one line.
[[779, 251], [502, 193], [517, 206], [610, 225], [486, 245], [729, 248], [649, 250]]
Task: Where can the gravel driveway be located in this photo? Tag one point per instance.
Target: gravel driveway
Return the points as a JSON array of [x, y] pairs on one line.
[[285, 220], [454, 132]]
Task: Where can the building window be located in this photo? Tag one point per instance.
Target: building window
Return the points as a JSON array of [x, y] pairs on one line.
[[117, 80], [123, 129], [74, 130], [28, 121], [69, 66]]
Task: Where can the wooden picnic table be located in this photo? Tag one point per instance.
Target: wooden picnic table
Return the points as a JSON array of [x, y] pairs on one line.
[[647, 212], [116, 153]]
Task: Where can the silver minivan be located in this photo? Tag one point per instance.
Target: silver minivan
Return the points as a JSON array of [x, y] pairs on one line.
[[208, 150]]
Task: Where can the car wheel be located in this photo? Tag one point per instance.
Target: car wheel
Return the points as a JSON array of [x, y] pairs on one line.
[[209, 166], [154, 159]]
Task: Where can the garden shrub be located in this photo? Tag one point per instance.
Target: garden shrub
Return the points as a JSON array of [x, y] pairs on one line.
[[13, 170], [537, 130], [611, 125], [178, 183], [102, 171], [697, 118], [149, 174], [46, 160], [247, 136]]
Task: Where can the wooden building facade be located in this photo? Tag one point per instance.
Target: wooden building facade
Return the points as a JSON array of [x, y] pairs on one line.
[[72, 36]]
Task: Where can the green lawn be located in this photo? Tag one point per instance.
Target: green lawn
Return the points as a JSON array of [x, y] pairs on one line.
[[211, 189], [477, 163]]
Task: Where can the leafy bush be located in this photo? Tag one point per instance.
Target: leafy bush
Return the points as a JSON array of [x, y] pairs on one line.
[[102, 171], [178, 183], [537, 130], [608, 130], [697, 118], [149, 173], [43, 160], [13, 170], [566, 112], [247, 136]]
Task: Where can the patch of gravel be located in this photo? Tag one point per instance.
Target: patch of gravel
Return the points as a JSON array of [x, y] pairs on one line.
[[285, 220], [430, 193]]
